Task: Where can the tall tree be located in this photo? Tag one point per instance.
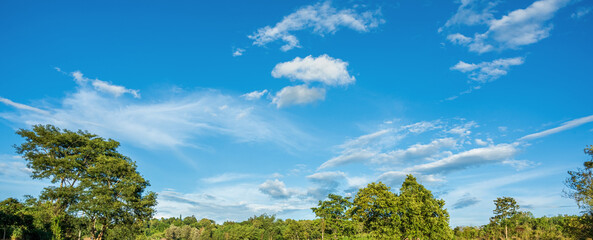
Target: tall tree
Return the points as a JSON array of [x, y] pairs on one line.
[[91, 178], [333, 213], [506, 208], [422, 216], [375, 206], [580, 184]]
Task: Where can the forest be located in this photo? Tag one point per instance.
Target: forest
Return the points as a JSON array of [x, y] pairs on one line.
[[97, 193]]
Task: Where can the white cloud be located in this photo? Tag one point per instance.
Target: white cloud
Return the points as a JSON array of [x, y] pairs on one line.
[[481, 142], [395, 178], [565, 126], [463, 129], [174, 122], [321, 18], [226, 177], [519, 164], [379, 147], [254, 95], [487, 71], [472, 12], [275, 189], [103, 86], [324, 69], [238, 52], [229, 203], [581, 12], [420, 151], [518, 28], [350, 156], [22, 106], [327, 182], [465, 159], [298, 95]]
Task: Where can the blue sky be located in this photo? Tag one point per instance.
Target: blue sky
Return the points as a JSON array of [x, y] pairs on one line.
[[233, 108]]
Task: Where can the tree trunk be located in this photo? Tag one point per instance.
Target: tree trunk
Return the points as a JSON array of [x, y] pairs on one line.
[[506, 237]]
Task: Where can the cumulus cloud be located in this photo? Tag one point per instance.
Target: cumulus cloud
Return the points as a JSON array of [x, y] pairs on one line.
[[238, 52], [103, 86], [321, 19], [516, 29], [254, 95], [487, 71], [565, 126], [324, 69], [275, 189], [298, 95]]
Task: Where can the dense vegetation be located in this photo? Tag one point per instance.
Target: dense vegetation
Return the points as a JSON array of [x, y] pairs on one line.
[[98, 194]]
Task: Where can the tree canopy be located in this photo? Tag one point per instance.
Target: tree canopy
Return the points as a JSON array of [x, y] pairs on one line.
[[92, 179]]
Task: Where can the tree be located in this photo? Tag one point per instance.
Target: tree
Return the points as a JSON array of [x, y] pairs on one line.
[[506, 208], [421, 215], [580, 184], [333, 213], [95, 181], [9, 217], [375, 206]]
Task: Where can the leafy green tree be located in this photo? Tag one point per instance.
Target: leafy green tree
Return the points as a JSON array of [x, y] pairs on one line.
[[580, 184], [333, 214], [506, 208], [375, 206], [9, 210], [421, 215], [91, 178]]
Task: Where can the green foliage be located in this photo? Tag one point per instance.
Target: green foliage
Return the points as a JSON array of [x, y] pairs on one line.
[[376, 207], [333, 214], [421, 215], [92, 180], [506, 207], [580, 183]]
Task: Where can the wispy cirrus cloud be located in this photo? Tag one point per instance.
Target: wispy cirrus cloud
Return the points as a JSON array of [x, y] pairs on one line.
[[471, 12], [565, 126], [23, 106], [320, 18], [103, 86], [170, 122]]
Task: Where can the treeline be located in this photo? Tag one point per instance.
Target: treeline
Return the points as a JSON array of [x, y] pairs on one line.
[[97, 193]]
